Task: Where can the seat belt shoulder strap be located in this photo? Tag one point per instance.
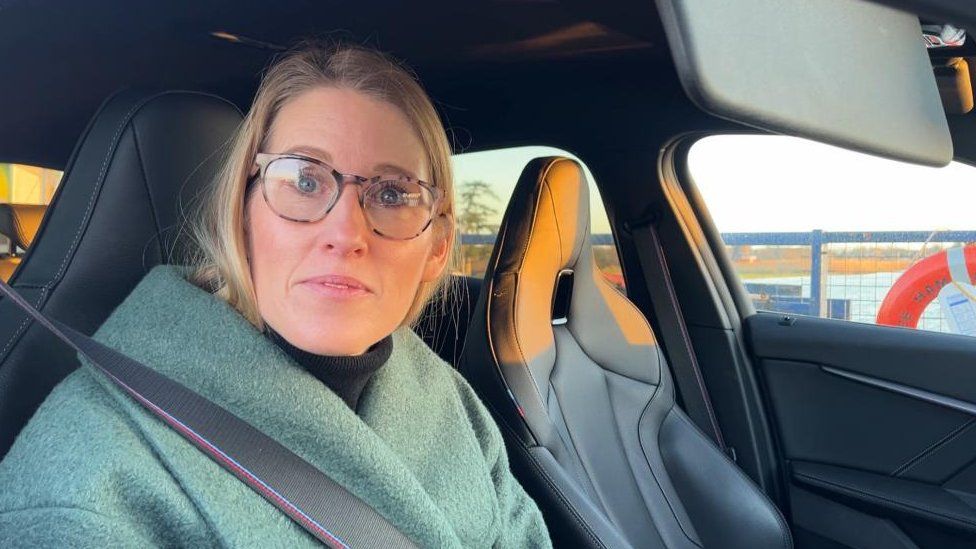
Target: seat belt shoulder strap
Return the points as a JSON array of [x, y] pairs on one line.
[[297, 488], [677, 342]]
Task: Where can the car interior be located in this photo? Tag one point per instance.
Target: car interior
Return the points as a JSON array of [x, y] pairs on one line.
[[669, 414], [19, 223]]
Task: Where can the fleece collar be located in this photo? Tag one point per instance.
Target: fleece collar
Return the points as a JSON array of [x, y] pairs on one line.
[[198, 340]]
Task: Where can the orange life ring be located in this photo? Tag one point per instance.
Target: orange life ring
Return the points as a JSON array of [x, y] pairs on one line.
[[919, 286]]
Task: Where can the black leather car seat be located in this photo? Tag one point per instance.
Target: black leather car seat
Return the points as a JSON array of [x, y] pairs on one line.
[[142, 159], [578, 384], [444, 322]]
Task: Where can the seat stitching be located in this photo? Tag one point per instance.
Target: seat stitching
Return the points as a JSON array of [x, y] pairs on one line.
[[514, 323], [628, 303], [49, 285], [84, 220], [599, 280], [640, 438], [631, 465], [27, 319], [489, 300], [535, 209], [18, 231], [111, 152], [572, 444], [594, 360], [518, 345], [548, 479], [951, 435], [145, 181], [98, 184], [504, 422], [555, 218]]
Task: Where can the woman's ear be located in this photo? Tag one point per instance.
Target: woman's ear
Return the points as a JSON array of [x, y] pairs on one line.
[[443, 233], [246, 223]]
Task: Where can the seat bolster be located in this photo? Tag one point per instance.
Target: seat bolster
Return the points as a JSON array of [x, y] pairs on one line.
[[581, 525], [27, 219], [19, 223], [135, 173], [480, 368], [572, 505], [727, 509]]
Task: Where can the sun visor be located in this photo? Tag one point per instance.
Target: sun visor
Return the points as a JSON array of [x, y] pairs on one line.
[[844, 72]]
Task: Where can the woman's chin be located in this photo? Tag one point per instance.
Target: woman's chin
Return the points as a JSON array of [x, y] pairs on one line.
[[326, 338]]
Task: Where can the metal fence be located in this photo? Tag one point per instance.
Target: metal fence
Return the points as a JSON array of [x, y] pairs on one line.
[[848, 274], [844, 275]]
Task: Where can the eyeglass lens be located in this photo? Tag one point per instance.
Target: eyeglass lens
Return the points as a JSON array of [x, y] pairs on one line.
[[395, 206]]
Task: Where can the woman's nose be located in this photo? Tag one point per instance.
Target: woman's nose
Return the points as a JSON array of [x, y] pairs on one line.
[[344, 228]]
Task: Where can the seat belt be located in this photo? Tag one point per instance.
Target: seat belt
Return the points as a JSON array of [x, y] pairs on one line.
[[677, 343], [308, 496]]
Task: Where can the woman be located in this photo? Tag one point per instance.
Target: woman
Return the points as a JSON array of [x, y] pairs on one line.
[[296, 319]]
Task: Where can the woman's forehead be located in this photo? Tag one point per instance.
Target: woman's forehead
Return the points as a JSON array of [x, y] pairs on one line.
[[349, 130], [385, 168]]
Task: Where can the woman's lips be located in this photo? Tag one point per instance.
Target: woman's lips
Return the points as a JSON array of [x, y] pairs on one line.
[[336, 286]]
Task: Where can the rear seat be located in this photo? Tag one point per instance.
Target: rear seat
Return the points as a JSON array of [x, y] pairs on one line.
[[8, 264], [443, 325], [18, 223]]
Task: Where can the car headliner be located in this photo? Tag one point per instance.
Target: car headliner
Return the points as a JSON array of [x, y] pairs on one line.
[[473, 56], [569, 73]]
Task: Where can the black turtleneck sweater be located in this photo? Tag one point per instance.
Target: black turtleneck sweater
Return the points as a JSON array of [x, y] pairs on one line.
[[347, 376]]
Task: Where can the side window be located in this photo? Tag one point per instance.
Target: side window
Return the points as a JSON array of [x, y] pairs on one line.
[[484, 182], [25, 192], [822, 231]]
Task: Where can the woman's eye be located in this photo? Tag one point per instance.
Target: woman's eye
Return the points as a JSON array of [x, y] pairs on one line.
[[306, 184], [391, 196]]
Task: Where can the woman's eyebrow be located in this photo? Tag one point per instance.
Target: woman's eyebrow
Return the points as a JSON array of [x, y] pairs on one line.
[[387, 168], [314, 152]]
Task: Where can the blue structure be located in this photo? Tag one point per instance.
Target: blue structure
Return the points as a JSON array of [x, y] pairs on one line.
[[817, 239], [785, 297]]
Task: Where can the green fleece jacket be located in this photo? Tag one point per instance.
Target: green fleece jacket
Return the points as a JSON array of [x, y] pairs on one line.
[[94, 469]]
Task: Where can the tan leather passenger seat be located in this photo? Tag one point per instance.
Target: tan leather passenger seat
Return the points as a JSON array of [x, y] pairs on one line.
[[18, 223]]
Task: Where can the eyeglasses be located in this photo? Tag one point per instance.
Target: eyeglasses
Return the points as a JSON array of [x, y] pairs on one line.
[[305, 189]]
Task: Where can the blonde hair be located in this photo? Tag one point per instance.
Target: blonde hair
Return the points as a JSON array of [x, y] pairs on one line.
[[221, 265]]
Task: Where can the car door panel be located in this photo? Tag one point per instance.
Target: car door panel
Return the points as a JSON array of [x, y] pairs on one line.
[[874, 422]]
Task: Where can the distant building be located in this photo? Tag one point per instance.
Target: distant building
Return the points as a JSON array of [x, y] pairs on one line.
[[21, 184]]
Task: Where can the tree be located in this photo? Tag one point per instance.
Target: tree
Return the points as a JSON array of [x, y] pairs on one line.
[[475, 213]]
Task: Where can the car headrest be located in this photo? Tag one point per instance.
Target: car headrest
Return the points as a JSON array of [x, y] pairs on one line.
[[19, 223], [118, 211], [544, 282], [545, 240], [137, 169]]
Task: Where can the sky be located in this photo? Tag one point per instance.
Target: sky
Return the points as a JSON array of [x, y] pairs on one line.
[[501, 169], [768, 183]]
